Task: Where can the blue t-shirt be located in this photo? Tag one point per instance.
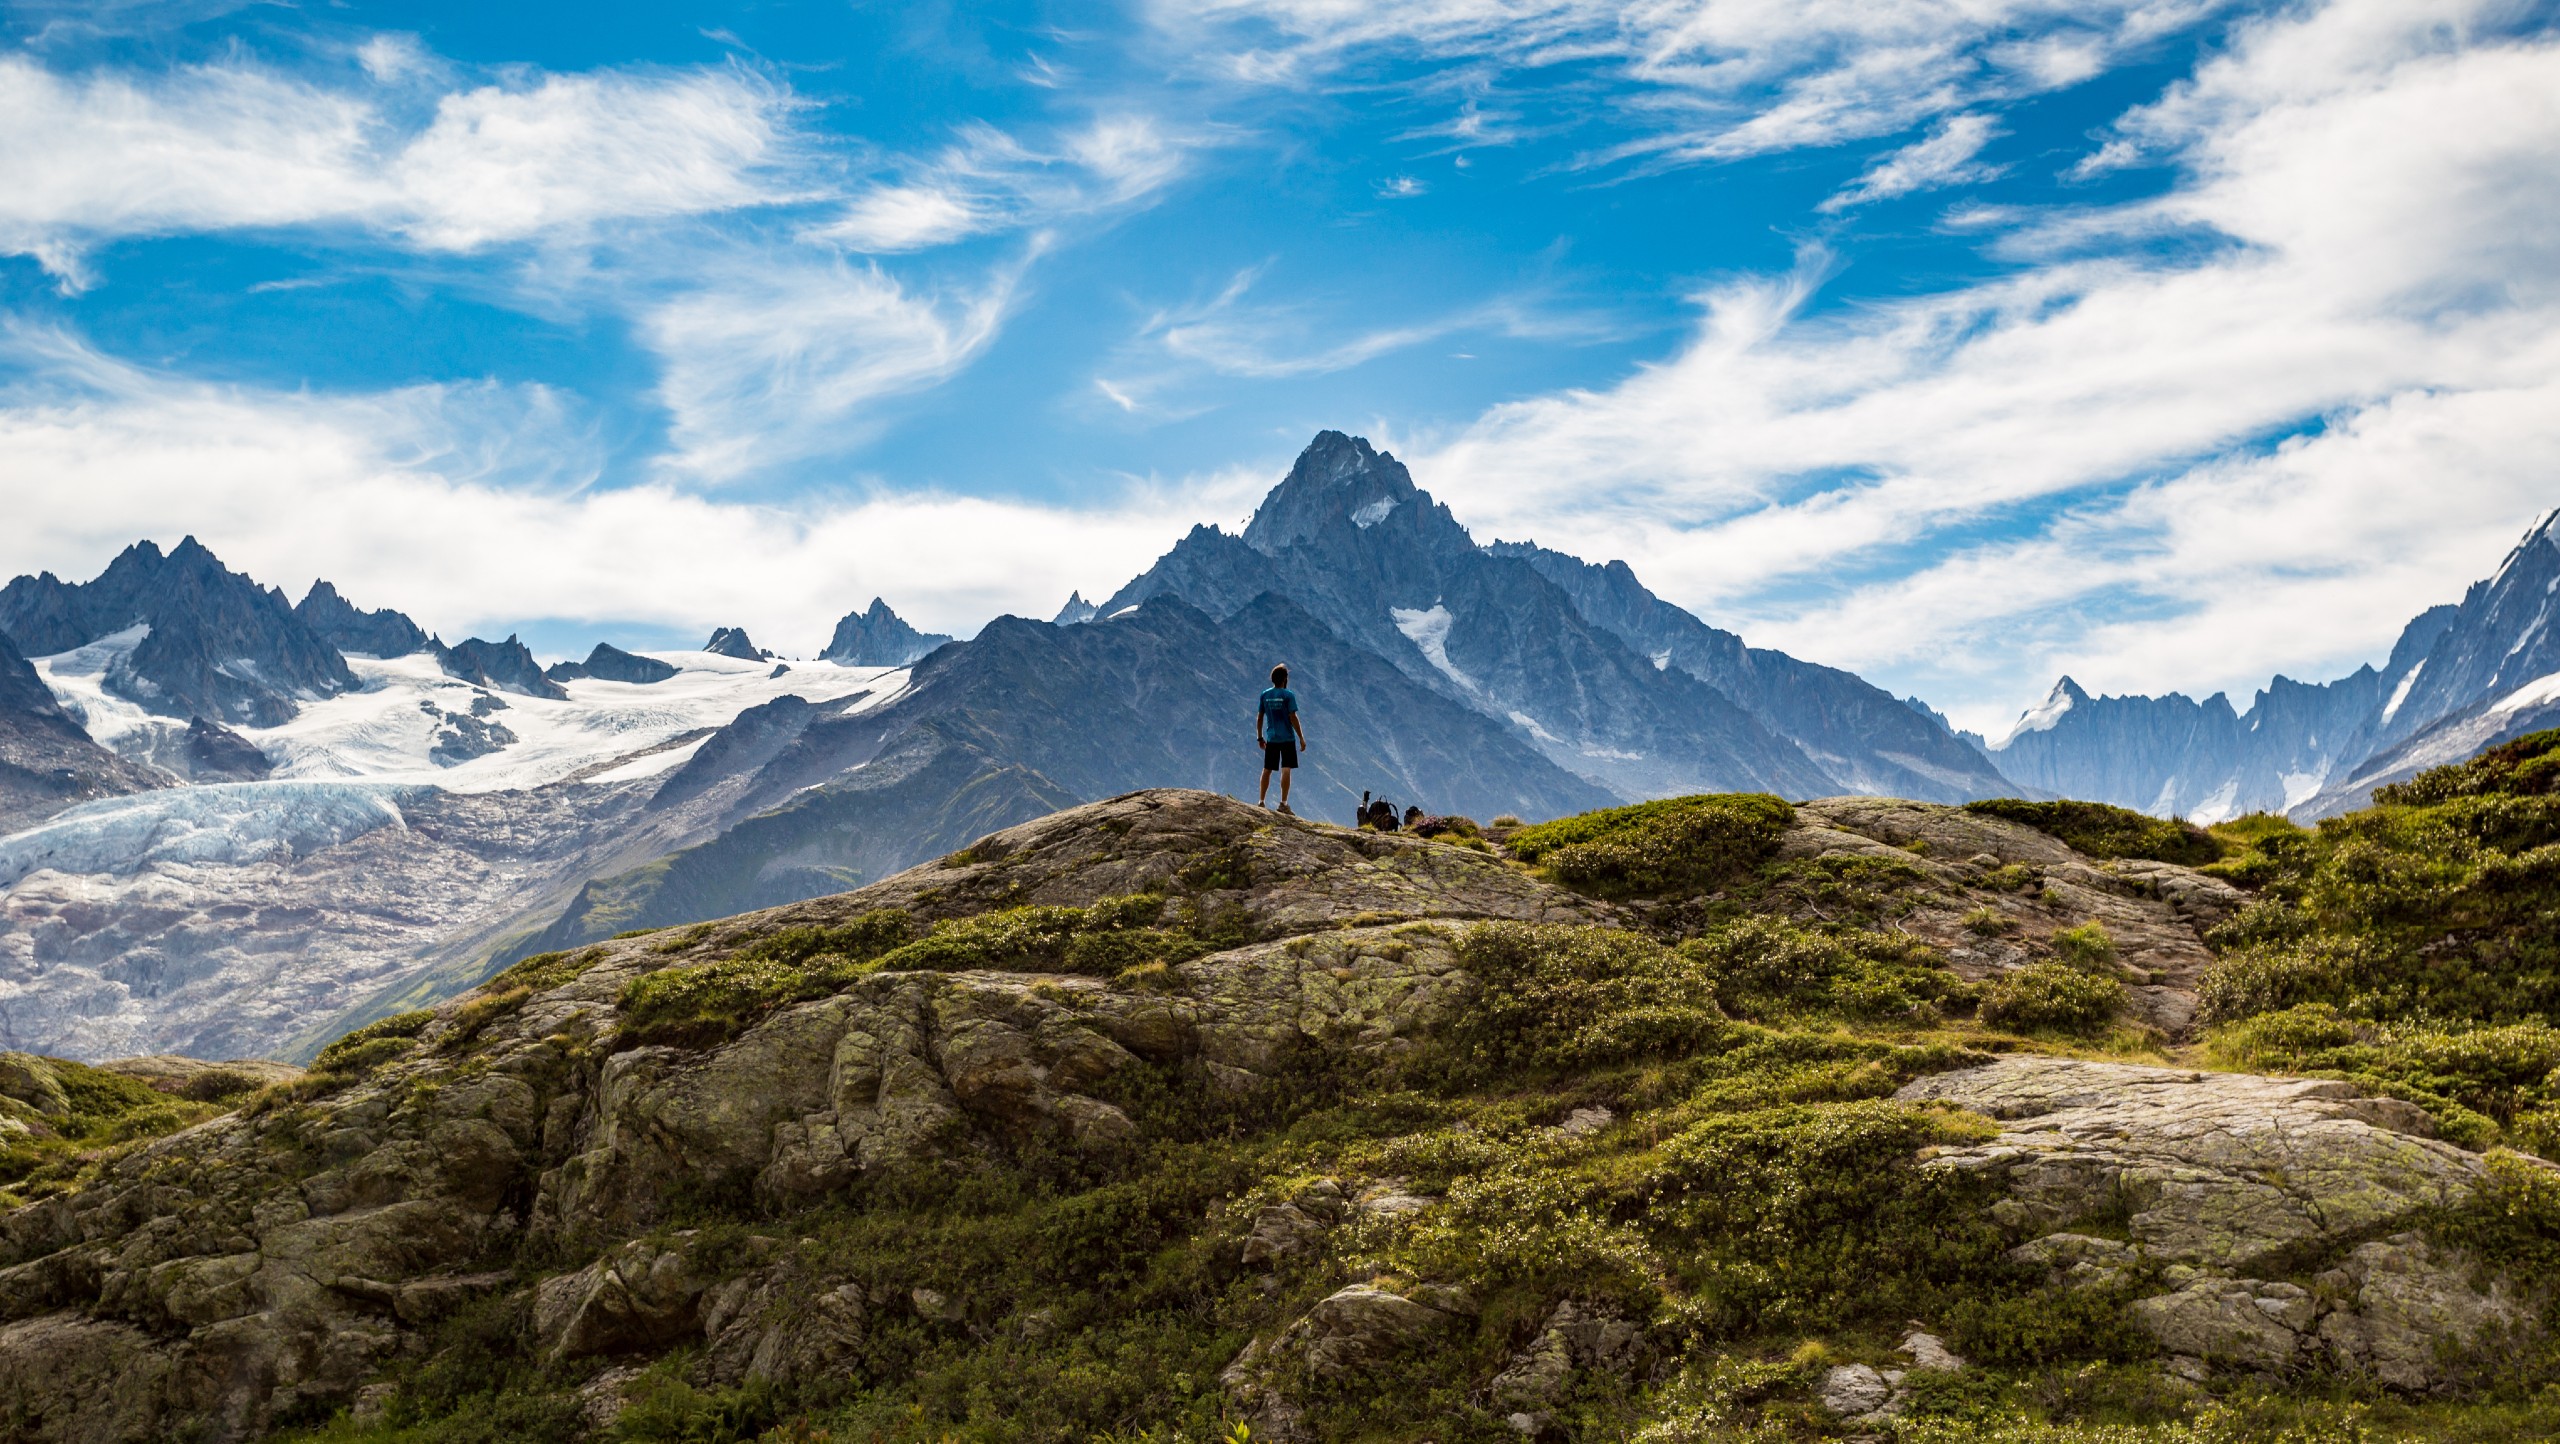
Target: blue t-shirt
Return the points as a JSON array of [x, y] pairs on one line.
[[1279, 704]]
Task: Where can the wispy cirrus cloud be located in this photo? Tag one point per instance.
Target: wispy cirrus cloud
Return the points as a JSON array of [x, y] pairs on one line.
[[992, 181], [1707, 79], [779, 359], [94, 156], [2033, 472], [1948, 155]]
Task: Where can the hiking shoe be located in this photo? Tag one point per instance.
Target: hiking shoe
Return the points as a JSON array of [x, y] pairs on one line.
[[1285, 812]]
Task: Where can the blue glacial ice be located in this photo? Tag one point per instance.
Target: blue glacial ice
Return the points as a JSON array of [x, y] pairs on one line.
[[222, 823]]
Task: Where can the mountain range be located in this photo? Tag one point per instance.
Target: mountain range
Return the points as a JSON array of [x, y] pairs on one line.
[[2461, 677], [231, 825]]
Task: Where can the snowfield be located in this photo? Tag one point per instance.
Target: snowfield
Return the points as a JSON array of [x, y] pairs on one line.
[[386, 731]]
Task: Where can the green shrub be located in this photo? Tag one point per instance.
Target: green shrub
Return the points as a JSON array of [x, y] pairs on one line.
[[2087, 947], [2098, 830], [2478, 1081], [1557, 995], [2053, 997], [1988, 922], [544, 971], [1652, 849], [1804, 1217], [699, 1004], [370, 1046], [1764, 969], [1103, 940]]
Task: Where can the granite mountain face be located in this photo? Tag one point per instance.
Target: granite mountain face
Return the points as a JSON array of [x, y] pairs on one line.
[[1863, 737], [215, 643], [1348, 537], [2461, 678]]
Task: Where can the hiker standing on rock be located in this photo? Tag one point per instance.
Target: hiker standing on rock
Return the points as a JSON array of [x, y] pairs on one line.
[[1279, 733]]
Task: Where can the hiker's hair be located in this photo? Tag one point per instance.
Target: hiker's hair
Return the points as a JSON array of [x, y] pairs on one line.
[[1280, 675]]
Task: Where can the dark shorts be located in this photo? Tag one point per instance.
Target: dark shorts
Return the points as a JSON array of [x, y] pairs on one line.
[[1279, 754]]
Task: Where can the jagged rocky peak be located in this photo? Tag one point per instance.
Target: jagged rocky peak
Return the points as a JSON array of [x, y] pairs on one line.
[[879, 638], [218, 645], [1336, 478], [1076, 610], [349, 628], [733, 642], [609, 663], [506, 666]]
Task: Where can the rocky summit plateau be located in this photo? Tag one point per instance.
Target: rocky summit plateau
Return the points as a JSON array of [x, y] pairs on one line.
[[1170, 1117]]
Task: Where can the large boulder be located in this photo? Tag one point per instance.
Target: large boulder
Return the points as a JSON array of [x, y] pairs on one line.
[[2226, 1174], [2220, 1170]]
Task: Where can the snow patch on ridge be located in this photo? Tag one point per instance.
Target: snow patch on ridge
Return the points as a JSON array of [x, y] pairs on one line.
[[1374, 513], [2400, 693], [1429, 630], [2040, 718], [2301, 787], [2533, 693]]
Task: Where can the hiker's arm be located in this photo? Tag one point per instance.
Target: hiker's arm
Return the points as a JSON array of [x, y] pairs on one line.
[[1301, 726]]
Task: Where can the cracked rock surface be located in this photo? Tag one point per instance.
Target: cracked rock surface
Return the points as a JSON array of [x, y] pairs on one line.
[[2222, 1175]]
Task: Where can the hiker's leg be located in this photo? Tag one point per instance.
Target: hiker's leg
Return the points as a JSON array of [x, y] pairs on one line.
[[1266, 786], [1284, 786]]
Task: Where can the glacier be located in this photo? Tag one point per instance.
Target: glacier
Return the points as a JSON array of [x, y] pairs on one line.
[[216, 824]]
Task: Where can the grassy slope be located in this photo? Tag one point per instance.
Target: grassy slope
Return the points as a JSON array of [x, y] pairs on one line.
[[1756, 1198]]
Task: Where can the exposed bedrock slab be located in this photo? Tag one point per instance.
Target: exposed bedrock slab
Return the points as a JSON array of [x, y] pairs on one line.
[[2217, 1170], [2218, 1176]]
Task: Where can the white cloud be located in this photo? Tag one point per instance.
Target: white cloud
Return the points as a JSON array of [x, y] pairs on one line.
[[1231, 335], [2074, 454], [776, 360], [469, 507], [1945, 157], [227, 147], [990, 181], [1713, 78], [891, 218]]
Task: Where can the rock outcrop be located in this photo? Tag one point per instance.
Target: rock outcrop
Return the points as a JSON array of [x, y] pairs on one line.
[[609, 663], [505, 666], [2155, 913], [279, 1260], [2220, 1177], [733, 642], [352, 630]]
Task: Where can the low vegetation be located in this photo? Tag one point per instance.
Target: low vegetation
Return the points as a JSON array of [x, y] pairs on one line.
[[1690, 1123], [2413, 946], [58, 1118], [2102, 831]]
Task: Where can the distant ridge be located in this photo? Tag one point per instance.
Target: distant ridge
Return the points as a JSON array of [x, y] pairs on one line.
[[2460, 678], [879, 638]]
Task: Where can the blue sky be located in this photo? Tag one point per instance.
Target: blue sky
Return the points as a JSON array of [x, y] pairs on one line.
[[2166, 342]]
